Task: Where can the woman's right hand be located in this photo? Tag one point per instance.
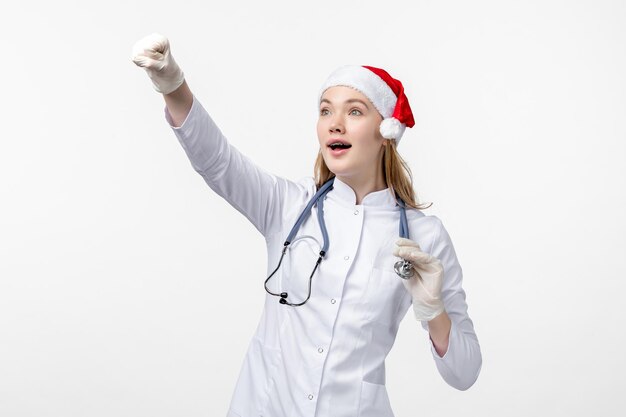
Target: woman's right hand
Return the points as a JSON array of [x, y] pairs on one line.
[[152, 53], [425, 283]]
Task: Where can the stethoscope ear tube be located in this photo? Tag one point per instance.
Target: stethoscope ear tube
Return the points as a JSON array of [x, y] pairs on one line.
[[317, 198], [404, 224], [403, 268], [324, 189]]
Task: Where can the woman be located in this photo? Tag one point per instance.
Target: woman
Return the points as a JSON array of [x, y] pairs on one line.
[[327, 326]]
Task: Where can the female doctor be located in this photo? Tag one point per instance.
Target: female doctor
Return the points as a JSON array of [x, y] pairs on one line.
[[348, 250]]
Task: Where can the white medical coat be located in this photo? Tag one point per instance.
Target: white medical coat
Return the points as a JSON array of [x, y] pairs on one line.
[[327, 357]]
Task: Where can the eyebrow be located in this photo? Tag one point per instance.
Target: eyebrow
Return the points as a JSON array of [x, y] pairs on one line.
[[351, 100]]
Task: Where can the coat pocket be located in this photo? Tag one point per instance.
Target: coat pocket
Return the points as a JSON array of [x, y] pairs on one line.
[[253, 388], [374, 401]]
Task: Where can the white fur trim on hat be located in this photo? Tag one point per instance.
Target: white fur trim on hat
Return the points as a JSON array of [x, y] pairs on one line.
[[368, 83]]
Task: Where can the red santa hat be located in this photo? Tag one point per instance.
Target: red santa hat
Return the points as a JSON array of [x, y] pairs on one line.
[[385, 93]]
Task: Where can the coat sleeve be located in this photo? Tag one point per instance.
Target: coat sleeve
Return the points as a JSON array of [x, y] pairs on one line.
[[461, 364], [255, 193]]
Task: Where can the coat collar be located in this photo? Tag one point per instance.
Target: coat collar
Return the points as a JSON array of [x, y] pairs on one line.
[[345, 195]]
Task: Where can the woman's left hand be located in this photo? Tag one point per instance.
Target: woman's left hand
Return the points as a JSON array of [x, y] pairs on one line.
[[425, 283]]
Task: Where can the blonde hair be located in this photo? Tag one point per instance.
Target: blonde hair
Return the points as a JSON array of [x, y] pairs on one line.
[[396, 173]]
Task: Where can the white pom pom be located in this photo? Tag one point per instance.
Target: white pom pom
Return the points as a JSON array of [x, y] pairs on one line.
[[391, 128]]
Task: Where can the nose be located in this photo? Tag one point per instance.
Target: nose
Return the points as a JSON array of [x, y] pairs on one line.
[[336, 125]]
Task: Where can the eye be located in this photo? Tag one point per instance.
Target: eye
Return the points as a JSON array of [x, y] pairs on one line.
[[324, 112], [356, 110]]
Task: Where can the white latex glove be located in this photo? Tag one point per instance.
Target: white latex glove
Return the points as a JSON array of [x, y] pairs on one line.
[[152, 53], [425, 284]]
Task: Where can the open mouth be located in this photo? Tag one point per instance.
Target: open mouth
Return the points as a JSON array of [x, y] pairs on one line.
[[339, 145]]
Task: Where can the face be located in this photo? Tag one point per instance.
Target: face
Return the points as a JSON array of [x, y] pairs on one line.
[[347, 116]]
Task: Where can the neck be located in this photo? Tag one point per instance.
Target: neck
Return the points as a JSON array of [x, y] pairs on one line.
[[362, 186]]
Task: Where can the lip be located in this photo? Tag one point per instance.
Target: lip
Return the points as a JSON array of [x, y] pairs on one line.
[[334, 140], [338, 152]]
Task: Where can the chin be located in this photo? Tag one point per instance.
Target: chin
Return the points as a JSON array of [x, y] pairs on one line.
[[336, 169], [343, 168], [343, 173]]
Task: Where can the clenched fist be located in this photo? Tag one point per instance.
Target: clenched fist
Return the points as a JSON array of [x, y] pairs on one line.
[[152, 53], [425, 284]]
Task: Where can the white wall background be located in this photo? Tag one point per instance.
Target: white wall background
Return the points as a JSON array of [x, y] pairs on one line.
[[119, 286]]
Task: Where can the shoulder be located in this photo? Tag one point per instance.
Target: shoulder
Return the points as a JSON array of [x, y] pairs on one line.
[[307, 188], [295, 190], [307, 183], [297, 195], [425, 229]]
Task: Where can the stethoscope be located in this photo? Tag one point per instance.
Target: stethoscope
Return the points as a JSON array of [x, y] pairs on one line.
[[402, 267]]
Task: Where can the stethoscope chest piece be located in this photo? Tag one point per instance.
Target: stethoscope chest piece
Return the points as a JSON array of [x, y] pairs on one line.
[[404, 269]]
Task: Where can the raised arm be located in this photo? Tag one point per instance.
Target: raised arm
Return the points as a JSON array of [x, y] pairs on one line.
[[257, 194]]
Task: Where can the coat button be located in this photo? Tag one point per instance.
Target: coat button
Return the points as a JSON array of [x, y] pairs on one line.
[[356, 212], [333, 301], [320, 350], [346, 257], [310, 396]]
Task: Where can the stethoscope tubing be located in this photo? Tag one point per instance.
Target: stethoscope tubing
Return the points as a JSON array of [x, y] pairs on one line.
[[403, 267]]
